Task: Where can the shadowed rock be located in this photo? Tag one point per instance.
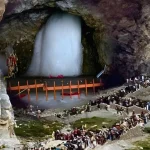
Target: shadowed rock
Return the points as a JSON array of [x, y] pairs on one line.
[[2, 8]]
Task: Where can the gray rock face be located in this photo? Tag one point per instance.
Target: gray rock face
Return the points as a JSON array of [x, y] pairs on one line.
[[6, 118], [127, 23], [2, 8], [5, 105], [6, 108], [18, 6]]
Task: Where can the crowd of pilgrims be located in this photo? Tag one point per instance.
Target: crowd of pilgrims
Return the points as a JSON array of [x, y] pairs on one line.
[[79, 139], [132, 85]]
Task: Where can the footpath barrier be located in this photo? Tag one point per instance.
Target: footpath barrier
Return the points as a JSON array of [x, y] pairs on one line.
[[54, 88]]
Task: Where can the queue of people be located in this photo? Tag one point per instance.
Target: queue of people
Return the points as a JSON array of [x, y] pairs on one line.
[[80, 139], [31, 110], [132, 85]]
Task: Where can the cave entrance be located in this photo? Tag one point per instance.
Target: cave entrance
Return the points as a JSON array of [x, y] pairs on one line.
[[26, 26], [91, 63], [90, 60]]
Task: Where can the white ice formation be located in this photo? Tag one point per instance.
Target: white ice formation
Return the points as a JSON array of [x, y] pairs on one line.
[[57, 49]]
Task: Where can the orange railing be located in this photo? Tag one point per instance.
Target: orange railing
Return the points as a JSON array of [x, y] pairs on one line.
[[54, 88]]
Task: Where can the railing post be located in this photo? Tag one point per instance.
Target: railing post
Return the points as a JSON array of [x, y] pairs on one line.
[[19, 89], [78, 89], [70, 90], [28, 91], [85, 87], [54, 92], [93, 87], [36, 90], [62, 90], [46, 91]]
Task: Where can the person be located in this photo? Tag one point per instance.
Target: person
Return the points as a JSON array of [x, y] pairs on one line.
[[143, 117], [117, 109], [12, 64], [127, 81], [57, 134], [133, 113], [143, 78], [88, 108], [127, 110], [135, 80], [75, 132], [39, 114], [93, 141], [31, 108], [147, 105], [98, 106], [15, 59], [106, 107], [53, 135]]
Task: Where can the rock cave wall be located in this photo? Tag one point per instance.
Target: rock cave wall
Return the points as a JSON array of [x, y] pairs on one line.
[[120, 28], [6, 117]]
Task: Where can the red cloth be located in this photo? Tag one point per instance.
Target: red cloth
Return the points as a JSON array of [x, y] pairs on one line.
[[75, 131], [59, 76], [66, 137], [79, 132], [14, 60], [22, 95], [68, 94], [11, 61]]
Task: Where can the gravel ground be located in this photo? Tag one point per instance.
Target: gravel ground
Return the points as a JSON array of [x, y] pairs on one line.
[[99, 113], [108, 92], [142, 94]]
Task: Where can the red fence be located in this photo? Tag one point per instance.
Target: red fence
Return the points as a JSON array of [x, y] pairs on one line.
[[54, 88]]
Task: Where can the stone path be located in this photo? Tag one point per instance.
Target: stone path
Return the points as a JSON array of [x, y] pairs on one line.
[[98, 113], [125, 142], [142, 94], [109, 92]]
